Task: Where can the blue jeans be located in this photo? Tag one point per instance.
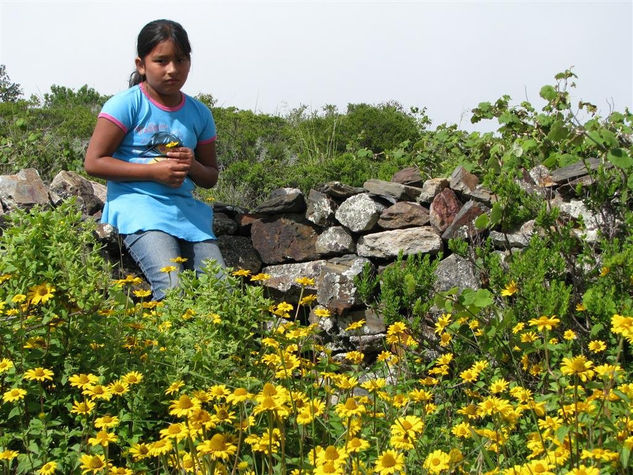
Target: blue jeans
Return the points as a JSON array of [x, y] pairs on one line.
[[153, 250]]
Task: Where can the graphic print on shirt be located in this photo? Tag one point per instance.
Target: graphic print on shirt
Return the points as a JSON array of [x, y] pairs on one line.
[[159, 144]]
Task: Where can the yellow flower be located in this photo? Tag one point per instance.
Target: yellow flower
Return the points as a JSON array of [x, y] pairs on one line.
[[133, 377], [172, 144], [183, 406], [355, 325], [41, 293], [437, 461], [596, 346], [322, 312], [139, 451], [499, 386], [518, 327], [389, 462], [580, 307], [544, 322], [103, 438], [106, 422], [350, 408], [48, 468], [82, 380], [5, 365], [8, 454], [177, 431], [142, 293], [218, 448], [178, 260], [578, 365], [38, 374], [160, 447], [442, 322], [308, 299], [356, 445], [85, 407], [621, 325], [15, 394], [168, 269], [356, 357], [118, 388], [260, 277], [304, 281], [241, 273], [510, 289], [239, 395], [462, 430], [98, 391], [174, 387], [18, 298], [5, 277], [604, 271], [92, 463], [584, 470], [569, 335]]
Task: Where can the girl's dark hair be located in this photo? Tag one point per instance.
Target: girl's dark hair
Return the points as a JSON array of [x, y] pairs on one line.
[[152, 34]]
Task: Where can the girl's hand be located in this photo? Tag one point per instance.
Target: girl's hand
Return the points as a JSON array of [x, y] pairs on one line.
[[183, 154], [171, 172]]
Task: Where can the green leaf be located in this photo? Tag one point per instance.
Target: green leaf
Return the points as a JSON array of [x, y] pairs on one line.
[[620, 158], [548, 93], [482, 221], [558, 131], [482, 298]]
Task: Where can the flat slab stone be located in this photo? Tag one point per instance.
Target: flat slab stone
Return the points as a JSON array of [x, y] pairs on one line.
[[25, 189], [284, 238], [388, 244], [403, 214]]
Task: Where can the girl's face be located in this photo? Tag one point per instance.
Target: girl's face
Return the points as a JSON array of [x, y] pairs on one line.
[[166, 69]]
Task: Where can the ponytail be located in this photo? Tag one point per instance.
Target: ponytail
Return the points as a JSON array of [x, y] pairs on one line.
[[135, 78]]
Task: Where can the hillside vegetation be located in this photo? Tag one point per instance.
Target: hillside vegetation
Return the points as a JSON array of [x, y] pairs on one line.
[[529, 374]]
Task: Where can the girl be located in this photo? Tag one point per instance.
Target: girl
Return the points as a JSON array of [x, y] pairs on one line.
[[152, 143]]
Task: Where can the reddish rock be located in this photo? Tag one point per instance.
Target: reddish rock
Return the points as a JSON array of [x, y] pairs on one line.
[[443, 209], [284, 239], [465, 217], [408, 176]]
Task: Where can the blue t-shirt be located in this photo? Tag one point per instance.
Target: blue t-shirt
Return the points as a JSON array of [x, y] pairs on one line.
[[150, 129]]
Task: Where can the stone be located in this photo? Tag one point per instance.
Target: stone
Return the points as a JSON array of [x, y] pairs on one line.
[[519, 238], [238, 253], [336, 289], [431, 188], [283, 285], [320, 208], [462, 180], [70, 184], [387, 244], [340, 191], [540, 176], [403, 214], [481, 194], [456, 271], [408, 176], [393, 190], [222, 224], [575, 170], [284, 238], [335, 241], [444, 208], [465, 217], [100, 191], [359, 213], [245, 221], [23, 190], [283, 200]]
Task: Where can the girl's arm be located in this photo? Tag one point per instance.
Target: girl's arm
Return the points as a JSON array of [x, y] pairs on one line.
[[99, 161], [204, 165]]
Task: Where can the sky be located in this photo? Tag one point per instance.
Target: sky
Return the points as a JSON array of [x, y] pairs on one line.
[[274, 56]]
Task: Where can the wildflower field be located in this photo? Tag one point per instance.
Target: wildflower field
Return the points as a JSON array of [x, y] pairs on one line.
[[531, 374]]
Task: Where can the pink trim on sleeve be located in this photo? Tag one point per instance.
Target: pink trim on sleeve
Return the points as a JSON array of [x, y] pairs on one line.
[[114, 120], [204, 142]]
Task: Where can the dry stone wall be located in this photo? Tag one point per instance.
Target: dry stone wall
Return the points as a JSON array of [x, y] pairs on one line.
[[331, 234]]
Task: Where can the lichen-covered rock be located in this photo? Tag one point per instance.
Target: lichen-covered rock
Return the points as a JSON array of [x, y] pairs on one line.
[[68, 184], [359, 213], [336, 288], [462, 180], [335, 241], [456, 271], [284, 239], [238, 253], [431, 188], [465, 217], [387, 244], [320, 208]]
